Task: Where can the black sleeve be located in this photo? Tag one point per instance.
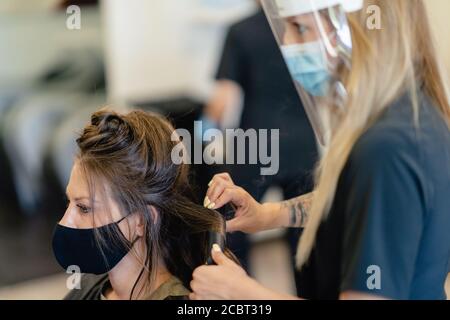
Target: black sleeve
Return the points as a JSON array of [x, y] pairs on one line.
[[232, 62], [384, 217]]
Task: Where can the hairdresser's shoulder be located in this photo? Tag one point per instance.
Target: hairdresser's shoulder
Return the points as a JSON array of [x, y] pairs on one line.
[[396, 133], [393, 133], [87, 287]]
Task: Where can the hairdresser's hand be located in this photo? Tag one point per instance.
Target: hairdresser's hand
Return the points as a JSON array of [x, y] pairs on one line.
[[227, 281], [250, 216]]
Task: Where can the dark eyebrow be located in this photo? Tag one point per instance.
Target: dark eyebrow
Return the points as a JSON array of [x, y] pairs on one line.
[[82, 198]]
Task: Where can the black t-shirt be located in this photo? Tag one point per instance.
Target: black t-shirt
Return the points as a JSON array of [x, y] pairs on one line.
[[252, 59], [391, 215]]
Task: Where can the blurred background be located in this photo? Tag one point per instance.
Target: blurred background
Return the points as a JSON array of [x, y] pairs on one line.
[[156, 55]]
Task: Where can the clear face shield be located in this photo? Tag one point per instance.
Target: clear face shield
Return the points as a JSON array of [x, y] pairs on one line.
[[315, 40]]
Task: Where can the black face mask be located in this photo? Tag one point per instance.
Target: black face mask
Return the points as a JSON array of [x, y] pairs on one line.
[[79, 247]]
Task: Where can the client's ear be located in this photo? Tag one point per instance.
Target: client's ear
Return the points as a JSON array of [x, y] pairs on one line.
[[140, 223], [140, 226], [154, 213]]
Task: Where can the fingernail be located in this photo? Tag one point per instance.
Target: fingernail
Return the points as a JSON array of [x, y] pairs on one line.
[[210, 183], [211, 205], [206, 202], [216, 247]]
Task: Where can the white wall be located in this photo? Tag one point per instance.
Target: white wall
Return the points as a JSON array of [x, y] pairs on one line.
[[33, 41], [439, 11], [157, 49]]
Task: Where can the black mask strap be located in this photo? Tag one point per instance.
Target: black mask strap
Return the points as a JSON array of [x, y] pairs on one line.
[[123, 218], [117, 225]]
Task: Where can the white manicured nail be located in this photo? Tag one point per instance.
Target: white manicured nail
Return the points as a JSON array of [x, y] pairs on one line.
[[211, 205], [206, 202]]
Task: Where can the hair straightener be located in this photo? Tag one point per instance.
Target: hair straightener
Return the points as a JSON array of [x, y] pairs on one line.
[[227, 212]]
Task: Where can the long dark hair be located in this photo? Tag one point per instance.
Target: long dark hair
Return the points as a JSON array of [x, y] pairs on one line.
[[131, 154]]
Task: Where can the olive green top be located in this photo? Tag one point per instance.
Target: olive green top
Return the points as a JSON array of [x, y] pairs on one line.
[[92, 287]]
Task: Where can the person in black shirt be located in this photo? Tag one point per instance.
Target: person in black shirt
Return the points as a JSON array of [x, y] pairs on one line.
[[376, 225]]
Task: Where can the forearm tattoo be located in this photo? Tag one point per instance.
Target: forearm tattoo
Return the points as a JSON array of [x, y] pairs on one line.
[[298, 210]]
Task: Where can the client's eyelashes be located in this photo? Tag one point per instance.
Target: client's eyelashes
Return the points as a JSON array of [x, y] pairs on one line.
[[83, 209]]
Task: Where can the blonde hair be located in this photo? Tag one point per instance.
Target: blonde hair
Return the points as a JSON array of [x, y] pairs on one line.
[[386, 63]]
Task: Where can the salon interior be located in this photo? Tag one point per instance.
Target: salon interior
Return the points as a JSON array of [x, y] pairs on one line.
[[61, 61]]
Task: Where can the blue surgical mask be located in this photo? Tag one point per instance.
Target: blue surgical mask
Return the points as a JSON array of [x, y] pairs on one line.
[[308, 66]]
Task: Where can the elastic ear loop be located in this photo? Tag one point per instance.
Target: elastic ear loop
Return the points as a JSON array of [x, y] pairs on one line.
[[117, 225], [131, 246]]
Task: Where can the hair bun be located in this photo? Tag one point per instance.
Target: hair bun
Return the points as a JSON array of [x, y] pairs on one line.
[[107, 121], [108, 131]]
